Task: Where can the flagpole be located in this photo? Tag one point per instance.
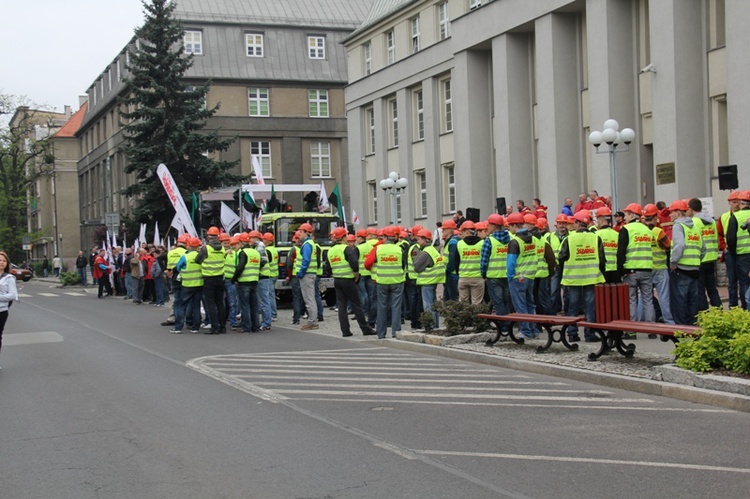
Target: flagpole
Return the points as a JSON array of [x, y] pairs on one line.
[[239, 208]]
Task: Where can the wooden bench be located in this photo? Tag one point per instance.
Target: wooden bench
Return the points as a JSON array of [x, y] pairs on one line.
[[611, 334], [553, 324]]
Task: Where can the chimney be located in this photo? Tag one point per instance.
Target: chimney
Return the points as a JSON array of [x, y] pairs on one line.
[[68, 112], [82, 99]]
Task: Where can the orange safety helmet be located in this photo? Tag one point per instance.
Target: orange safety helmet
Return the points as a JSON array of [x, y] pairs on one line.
[[425, 233], [415, 230], [392, 231], [350, 238], [745, 196], [541, 223], [571, 220], [213, 231], [194, 242], [562, 218], [403, 234], [183, 239], [296, 236], [650, 210], [338, 233], [733, 196], [449, 224], [234, 240], [362, 233], [468, 225], [529, 218], [255, 233], [514, 218], [482, 225], [372, 231], [244, 237], [634, 208], [678, 205], [223, 236], [268, 236], [306, 227], [604, 211], [582, 217], [496, 219]]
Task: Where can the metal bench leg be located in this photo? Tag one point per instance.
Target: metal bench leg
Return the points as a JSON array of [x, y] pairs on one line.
[[556, 336], [625, 349], [499, 325], [603, 348]]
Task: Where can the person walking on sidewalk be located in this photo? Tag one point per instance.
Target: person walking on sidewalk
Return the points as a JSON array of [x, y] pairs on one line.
[[57, 265]]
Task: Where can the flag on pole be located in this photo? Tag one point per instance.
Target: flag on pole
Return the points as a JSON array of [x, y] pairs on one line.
[[323, 203], [335, 200], [355, 218], [258, 170], [142, 234], [173, 193], [228, 218], [247, 218], [177, 224], [273, 204], [157, 239]]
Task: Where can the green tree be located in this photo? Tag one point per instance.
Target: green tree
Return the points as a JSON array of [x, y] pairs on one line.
[[165, 119], [25, 156]]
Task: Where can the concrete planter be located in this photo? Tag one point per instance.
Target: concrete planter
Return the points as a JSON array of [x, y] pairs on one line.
[[674, 374]]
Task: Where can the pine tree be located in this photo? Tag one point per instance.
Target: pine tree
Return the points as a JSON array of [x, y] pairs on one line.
[[165, 119]]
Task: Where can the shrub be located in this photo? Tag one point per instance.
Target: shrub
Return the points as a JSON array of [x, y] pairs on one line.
[[461, 316], [69, 278], [724, 342], [427, 320]]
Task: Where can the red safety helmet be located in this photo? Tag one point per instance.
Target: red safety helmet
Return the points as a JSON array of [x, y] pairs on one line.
[[733, 196], [350, 238], [362, 233], [634, 208], [403, 234], [415, 230], [745, 196], [255, 233], [604, 211], [650, 210], [562, 218], [296, 236], [571, 220], [213, 231], [482, 225], [678, 205], [529, 218], [449, 224], [541, 223], [306, 227], [234, 240], [468, 225], [338, 233], [582, 217], [372, 231], [514, 218], [183, 239], [223, 236], [244, 237], [194, 242], [268, 236], [425, 233], [496, 219], [392, 231]]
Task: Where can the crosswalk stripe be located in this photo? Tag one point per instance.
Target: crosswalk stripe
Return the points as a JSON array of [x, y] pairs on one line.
[[596, 393], [23, 295], [75, 294], [48, 294], [415, 380], [456, 395]]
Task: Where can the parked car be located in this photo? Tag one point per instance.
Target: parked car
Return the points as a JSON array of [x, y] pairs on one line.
[[23, 274]]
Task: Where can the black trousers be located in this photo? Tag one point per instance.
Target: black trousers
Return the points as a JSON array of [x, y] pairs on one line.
[[347, 293], [213, 295], [104, 285], [3, 319]]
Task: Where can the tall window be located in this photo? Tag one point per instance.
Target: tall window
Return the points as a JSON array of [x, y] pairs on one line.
[[262, 151], [320, 155], [393, 118], [419, 114], [316, 47], [257, 100], [318, 100], [254, 43], [370, 130], [193, 41], [447, 106], [390, 46], [449, 171], [421, 181], [372, 191], [475, 4], [444, 22], [367, 49], [415, 35]]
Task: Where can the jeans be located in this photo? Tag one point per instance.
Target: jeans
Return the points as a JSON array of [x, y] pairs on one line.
[[347, 295], [742, 264], [639, 283], [707, 286], [429, 297], [82, 275], [542, 295], [522, 295], [500, 297], [372, 300], [309, 290], [213, 295], [414, 294], [138, 290], [159, 290], [57, 271], [273, 297], [364, 297], [683, 296], [297, 305], [660, 279], [247, 292], [191, 303], [450, 288], [554, 291], [389, 297], [128, 286], [318, 298], [583, 295], [733, 284], [230, 291], [178, 306], [265, 294]]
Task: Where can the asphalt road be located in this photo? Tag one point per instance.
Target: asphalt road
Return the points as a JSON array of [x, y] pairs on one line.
[[98, 400]]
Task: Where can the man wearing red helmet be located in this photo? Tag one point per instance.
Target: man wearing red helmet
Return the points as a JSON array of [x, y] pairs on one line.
[[738, 243], [707, 279], [344, 262], [413, 294], [555, 240], [685, 258], [609, 239], [660, 274], [366, 241], [246, 277], [307, 274], [387, 261], [430, 268], [450, 288], [293, 263], [493, 264], [635, 261], [521, 266], [729, 260], [173, 256], [211, 260], [545, 265], [468, 258], [192, 289]]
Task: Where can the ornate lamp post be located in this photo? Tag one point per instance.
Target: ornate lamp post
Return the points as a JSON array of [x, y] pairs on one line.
[[614, 138], [393, 185]]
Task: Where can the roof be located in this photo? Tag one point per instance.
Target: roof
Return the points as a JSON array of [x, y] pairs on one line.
[[322, 13], [71, 126], [380, 10]]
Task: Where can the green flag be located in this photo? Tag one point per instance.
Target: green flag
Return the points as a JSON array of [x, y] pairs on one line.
[[335, 199], [194, 208], [272, 205]]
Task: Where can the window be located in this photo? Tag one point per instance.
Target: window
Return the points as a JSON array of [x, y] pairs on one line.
[[320, 155], [372, 190], [318, 100], [444, 23], [367, 49], [254, 44], [421, 181], [419, 114], [262, 151], [447, 106], [474, 4], [450, 182], [316, 47], [415, 35], [370, 130], [109, 73], [257, 101], [193, 41], [118, 69], [390, 46], [393, 118]]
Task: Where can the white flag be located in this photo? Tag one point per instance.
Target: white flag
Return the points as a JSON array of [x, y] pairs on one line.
[[247, 218], [323, 203], [177, 224], [258, 170], [157, 240], [228, 218], [142, 234], [355, 218], [174, 196]]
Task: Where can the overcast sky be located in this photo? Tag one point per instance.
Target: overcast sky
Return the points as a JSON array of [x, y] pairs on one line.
[[52, 50]]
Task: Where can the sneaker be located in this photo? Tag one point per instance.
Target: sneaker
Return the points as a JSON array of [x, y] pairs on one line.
[[175, 331], [206, 326], [295, 323], [265, 328], [310, 326], [274, 319], [194, 331], [574, 338]]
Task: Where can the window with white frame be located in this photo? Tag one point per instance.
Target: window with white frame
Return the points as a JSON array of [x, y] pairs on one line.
[[421, 182], [257, 102], [254, 42], [474, 4], [444, 22], [193, 42], [192, 89], [320, 159], [318, 102], [415, 35], [398, 206], [447, 106], [449, 173], [390, 46], [393, 120], [372, 190], [118, 69], [419, 114], [370, 130], [316, 47], [262, 151], [367, 57]]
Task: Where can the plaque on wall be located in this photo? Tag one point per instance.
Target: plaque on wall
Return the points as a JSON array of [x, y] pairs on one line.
[[665, 174]]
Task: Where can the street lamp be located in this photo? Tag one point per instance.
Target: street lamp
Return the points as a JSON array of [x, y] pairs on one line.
[[614, 139], [393, 185]]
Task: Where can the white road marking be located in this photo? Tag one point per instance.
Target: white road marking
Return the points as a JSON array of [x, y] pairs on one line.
[[75, 294], [415, 380], [24, 295], [595, 393], [16, 339], [48, 294], [570, 459]]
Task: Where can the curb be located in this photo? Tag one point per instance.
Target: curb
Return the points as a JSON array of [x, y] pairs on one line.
[[649, 387]]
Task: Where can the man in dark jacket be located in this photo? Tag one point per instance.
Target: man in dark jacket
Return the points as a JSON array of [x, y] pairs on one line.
[[81, 263]]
